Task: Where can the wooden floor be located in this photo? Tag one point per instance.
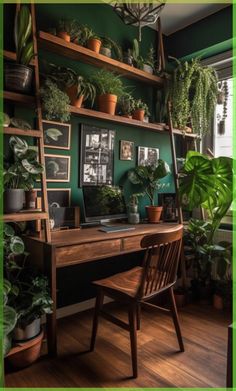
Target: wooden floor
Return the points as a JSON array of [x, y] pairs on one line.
[[203, 364]]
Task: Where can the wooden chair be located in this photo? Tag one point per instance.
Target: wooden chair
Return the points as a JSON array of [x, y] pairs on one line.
[[140, 284]]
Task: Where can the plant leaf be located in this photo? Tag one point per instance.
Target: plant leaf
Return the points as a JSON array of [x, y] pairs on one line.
[[53, 133]]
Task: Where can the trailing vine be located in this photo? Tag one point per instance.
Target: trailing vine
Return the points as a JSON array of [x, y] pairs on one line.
[[193, 93]]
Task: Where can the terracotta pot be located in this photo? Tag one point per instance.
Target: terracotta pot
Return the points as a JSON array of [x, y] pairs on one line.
[[107, 103], [138, 114], [64, 35], [218, 302], [72, 93], [25, 353], [94, 45], [30, 199], [154, 213], [78, 102]]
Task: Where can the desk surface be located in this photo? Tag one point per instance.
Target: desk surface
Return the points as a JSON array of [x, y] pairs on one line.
[[88, 235]]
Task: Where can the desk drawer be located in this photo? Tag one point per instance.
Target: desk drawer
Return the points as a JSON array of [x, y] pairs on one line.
[[132, 243], [86, 252]]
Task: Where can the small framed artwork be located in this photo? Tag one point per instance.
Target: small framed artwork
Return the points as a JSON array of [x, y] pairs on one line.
[[148, 156], [59, 198], [56, 134], [126, 150], [169, 207], [57, 168]]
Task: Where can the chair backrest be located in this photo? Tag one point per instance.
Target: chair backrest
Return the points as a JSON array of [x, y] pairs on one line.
[[160, 261]]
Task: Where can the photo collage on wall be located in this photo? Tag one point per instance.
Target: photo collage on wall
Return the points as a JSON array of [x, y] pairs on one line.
[[97, 156], [57, 135]]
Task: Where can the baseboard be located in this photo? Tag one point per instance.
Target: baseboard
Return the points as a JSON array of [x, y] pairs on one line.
[[75, 308]]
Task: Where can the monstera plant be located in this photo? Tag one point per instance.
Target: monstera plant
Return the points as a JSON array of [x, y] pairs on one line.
[[207, 183]]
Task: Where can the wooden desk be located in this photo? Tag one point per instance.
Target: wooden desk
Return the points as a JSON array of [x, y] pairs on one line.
[[73, 247]]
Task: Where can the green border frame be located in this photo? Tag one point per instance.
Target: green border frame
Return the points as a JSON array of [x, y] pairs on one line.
[[234, 186]]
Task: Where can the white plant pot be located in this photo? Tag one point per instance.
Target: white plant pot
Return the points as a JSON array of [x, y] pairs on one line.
[[147, 68]]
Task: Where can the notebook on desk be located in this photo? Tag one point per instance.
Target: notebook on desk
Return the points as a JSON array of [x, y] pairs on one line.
[[116, 228]]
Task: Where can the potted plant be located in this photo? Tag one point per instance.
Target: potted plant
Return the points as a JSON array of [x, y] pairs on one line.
[[140, 110], [20, 175], [128, 57], [18, 76], [55, 102], [193, 94], [67, 29], [108, 45], [148, 180], [28, 296], [205, 182], [93, 41], [137, 58], [109, 88], [150, 62], [126, 105]]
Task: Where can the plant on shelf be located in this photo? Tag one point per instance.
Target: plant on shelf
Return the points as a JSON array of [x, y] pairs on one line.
[[108, 45], [193, 94], [137, 58], [55, 102], [140, 110], [128, 57], [27, 294], [147, 178], [109, 89], [68, 29], [126, 105], [89, 38], [149, 64], [206, 182], [20, 175], [18, 76]]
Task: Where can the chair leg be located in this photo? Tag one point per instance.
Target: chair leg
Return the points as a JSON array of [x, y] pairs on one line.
[[138, 316], [98, 306], [133, 338], [176, 319]]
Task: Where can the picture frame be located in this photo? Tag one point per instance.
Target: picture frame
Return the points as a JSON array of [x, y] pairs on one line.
[[126, 150], [147, 156], [96, 156], [57, 168], [56, 135], [168, 201], [61, 197]]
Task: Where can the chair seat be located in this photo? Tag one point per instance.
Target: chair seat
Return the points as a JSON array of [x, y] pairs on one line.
[[126, 282]]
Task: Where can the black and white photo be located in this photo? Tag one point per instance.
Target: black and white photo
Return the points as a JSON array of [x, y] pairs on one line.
[[169, 206], [56, 135], [97, 156], [57, 168], [148, 156], [59, 198]]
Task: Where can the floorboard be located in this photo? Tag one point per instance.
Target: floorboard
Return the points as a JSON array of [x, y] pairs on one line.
[[203, 364]]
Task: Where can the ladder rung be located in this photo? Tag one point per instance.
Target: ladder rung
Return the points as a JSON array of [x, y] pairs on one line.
[[25, 216], [22, 132]]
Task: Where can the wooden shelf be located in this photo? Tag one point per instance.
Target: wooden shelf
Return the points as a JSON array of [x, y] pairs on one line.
[[8, 55], [76, 52], [153, 127], [26, 100], [24, 216], [22, 132]]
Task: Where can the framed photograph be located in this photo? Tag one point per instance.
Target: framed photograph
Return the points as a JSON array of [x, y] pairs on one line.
[[56, 134], [57, 197], [96, 156], [168, 201], [148, 156], [126, 150], [57, 168]]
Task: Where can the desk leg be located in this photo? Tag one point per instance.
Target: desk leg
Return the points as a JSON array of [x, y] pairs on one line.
[[51, 325]]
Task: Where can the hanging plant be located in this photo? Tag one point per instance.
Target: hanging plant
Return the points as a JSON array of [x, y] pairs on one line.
[[221, 118], [193, 93]]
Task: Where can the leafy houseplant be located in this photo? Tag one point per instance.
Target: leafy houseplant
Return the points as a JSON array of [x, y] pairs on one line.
[[92, 40], [55, 102], [148, 180], [109, 89], [150, 62], [126, 105], [27, 294], [140, 110], [108, 45], [138, 59], [18, 76], [193, 94], [206, 182], [67, 29], [20, 175]]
